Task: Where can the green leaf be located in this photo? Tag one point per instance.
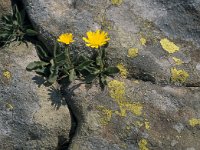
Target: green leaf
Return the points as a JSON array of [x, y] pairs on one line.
[[72, 75], [43, 55], [23, 13], [59, 57], [15, 23], [90, 78], [54, 75], [19, 18], [4, 35], [44, 71], [102, 81], [52, 78], [7, 19], [98, 60], [92, 70], [31, 32], [111, 70], [36, 64], [84, 64], [55, 49]]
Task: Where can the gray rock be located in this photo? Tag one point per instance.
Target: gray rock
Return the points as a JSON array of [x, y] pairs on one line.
[[145, 115], [29, 115], [5, 7], [126, 24], [142, 118]]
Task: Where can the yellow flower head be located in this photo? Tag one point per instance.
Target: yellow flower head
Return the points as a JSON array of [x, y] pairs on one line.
[[96, 39], [179, 75], [66, 38]]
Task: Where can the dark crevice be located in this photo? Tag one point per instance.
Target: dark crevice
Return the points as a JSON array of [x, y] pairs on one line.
[[64, 144], [67, 94]]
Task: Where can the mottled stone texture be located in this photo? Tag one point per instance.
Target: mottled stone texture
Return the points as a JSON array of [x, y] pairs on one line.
[[126, 24], [5, 7], [29, 118], [159, 115], [151, 115]]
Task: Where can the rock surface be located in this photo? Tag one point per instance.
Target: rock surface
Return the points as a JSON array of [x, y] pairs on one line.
[[153, 40], [131, 24], [32, 117], [134, 115], [5, 7]]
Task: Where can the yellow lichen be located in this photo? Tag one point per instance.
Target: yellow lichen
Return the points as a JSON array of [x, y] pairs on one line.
[[135, 108], [7, 74], [177, 61], [107, 115], [136, 81], [143, 144], [132, 52], [116, 2], [179, 75], [9, 106], [147, 125], [143, 41], [123, 70], [116, 89], [194, 122], [139, 124], [117, 92], [128, 127], [169, 46]]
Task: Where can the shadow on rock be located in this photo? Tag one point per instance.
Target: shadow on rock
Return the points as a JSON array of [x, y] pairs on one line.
[[55, 101]]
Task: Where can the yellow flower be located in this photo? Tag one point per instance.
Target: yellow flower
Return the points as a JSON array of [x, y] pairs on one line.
[[7, 74], [96, 39], [179, 75], [66, 38], [169, 46]]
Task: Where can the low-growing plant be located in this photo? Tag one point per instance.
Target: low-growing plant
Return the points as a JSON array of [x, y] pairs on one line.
[[65, 64], [14, 28]]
